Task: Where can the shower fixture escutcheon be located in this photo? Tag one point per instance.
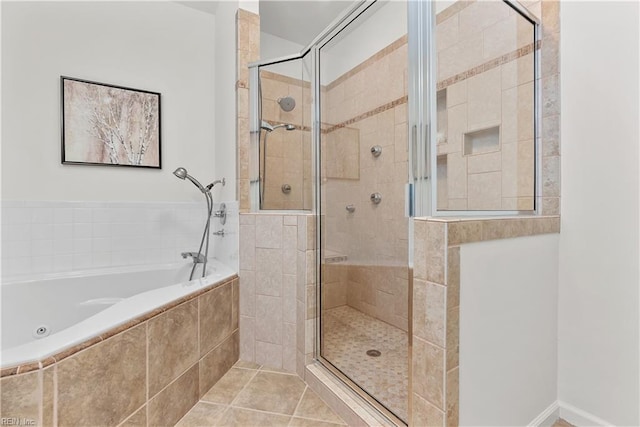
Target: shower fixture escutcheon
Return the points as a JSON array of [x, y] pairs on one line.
[[221, 213], [376, 198], [376, 150]]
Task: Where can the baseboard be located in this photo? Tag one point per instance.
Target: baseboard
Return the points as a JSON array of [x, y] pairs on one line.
[[547, 417], [569, 413], [578, 417]]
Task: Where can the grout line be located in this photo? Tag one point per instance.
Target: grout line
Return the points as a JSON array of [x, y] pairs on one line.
[[243, 388], [306, 387]]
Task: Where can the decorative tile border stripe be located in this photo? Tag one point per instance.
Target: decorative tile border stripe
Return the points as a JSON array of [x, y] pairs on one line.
[[452, 10], [493, 63], [378, 110], [264, 74], [367, 62], [58, 357]]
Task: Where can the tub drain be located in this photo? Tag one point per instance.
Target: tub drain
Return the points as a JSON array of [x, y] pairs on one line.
[[373, 353], [41, 331]]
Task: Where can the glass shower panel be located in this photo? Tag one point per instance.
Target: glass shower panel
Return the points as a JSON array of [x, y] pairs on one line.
[[485, 107], [364, 230], [285, 136]]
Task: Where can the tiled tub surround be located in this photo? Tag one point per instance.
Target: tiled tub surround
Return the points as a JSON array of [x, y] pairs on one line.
[[41, 237], [75, 309], [150, 371], [436, 303]]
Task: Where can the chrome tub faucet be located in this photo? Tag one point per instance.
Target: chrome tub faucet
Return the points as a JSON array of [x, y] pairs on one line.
[[198, 258]]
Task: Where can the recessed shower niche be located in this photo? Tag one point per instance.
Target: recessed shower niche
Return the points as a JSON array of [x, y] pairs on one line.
[[482, 141]]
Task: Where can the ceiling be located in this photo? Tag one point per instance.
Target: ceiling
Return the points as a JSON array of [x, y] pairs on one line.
[[203, 5], [299, 21]]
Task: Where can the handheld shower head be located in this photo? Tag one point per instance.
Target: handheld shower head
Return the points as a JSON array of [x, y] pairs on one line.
[[270, 128], [266, 126], [182, 174]]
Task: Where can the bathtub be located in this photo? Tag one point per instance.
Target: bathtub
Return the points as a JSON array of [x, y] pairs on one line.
[[42, 317]]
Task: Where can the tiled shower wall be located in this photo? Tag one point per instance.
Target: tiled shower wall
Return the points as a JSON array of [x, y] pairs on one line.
[[248, 50], [288, 153], [277, 276], [485, 82], [54, 237], [363, 118], [379, 291]]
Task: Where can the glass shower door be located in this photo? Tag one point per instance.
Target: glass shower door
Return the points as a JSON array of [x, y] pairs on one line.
[[364, 227]]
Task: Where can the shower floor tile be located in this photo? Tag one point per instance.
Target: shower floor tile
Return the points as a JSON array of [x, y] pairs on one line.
[[347, 336]]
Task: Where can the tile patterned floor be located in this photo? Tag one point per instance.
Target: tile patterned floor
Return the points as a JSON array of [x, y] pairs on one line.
[[348, 334], [251, 395]]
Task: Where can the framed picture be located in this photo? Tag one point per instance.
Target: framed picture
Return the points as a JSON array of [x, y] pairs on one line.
[[109, 125]]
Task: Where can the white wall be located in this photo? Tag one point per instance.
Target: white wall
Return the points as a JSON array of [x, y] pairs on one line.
[[158, 46], [508, 335], [599, 279]]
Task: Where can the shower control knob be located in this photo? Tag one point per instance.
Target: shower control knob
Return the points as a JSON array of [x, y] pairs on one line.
[[376, 198], [376, 150], [350, 208], [286, 188]]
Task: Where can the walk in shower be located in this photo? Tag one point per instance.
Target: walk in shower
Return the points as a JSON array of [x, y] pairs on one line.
[[399, 109]]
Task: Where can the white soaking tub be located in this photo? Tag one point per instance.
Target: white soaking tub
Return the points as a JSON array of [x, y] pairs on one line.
[[42, 317]]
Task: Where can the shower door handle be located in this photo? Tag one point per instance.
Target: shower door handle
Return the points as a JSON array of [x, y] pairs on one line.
[[414, 150]]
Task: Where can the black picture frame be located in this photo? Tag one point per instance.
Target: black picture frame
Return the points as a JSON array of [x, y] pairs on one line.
[[109, 125]]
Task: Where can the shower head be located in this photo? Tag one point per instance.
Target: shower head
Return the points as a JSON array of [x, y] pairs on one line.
[[287, 103], [270, 128], [182, 174]]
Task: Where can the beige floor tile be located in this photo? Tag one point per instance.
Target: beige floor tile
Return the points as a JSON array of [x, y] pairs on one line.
[[268, 391], [228, 387], [237, 417], [311, 406], [562, 423], [276, 370], [304, 422], [246, 365], [203, 414]]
